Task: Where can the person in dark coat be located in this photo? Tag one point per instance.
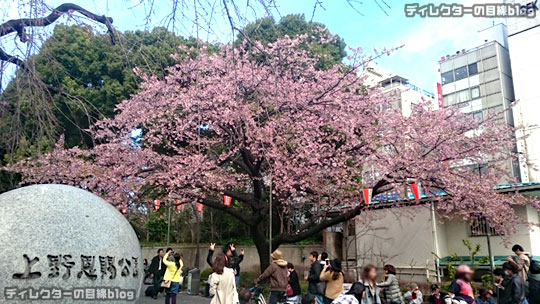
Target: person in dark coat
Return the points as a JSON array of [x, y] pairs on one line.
[[485, 297], [157, 271], [230, 251], [498, 275], [294, 282], [534, 288], [437, 297], [313, 277], [513, 288], [233, 258]]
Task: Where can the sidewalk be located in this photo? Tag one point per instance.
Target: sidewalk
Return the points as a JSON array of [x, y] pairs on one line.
[[182, 298]]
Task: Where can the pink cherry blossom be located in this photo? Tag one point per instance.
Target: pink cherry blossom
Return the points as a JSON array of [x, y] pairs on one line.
[[318, 136]]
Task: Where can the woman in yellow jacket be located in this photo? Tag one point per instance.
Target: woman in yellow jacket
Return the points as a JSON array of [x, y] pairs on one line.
[[173, 274]]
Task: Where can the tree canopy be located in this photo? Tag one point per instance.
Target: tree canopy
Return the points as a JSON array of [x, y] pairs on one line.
[[90, 75], [329, 48], [225, 123], [78, 77]]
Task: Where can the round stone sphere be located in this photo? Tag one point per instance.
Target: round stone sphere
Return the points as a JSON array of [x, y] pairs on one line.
[[61, 244]]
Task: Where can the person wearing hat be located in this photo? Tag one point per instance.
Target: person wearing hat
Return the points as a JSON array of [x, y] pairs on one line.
[[461, 288], [414, 295], [277, 274], [332, 274], [437, 297]]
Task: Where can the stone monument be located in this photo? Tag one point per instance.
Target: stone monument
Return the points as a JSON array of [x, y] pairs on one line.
[[61, 244]]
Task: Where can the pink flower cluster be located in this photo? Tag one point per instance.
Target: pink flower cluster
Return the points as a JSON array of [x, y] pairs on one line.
[[237, 120]]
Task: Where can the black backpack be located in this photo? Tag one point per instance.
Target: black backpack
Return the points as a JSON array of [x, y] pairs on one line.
[[535, 267]]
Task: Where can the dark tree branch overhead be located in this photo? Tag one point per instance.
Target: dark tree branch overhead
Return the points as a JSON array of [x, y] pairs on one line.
[[285, 238], [18, 26]]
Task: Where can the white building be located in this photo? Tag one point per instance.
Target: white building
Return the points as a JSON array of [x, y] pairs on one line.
[[479, 81], [404, 94], [415, 240], [524, 45]]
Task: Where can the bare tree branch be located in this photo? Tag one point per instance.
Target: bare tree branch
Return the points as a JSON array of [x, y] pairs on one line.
[[18, 26]]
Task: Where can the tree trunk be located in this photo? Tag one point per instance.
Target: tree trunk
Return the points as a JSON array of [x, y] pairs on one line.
[[262, 245]]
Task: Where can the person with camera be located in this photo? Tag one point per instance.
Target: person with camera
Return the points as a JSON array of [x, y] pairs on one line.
[[332, 274], [173, 274], [414, 295]]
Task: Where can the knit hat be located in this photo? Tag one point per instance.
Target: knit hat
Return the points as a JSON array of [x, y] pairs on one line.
[[276, 255]]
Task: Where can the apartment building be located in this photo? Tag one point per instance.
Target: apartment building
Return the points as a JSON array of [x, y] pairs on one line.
[[524, 46], [479, 81]]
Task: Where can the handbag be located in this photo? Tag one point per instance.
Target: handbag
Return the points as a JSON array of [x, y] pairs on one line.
[[289, 291], [167, 283]]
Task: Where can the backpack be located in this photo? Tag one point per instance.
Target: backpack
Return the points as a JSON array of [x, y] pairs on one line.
[[535, 267]]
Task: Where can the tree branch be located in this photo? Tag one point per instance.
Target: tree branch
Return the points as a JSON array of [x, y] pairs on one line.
[[285, 238], [18, 26], [244, 218]]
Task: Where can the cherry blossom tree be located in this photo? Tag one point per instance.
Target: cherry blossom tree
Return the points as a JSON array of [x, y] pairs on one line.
[[256, 121]]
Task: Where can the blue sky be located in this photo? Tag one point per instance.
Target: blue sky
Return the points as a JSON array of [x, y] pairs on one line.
[[425, 40]]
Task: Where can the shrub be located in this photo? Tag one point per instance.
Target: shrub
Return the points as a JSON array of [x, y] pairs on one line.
[[205, 274]]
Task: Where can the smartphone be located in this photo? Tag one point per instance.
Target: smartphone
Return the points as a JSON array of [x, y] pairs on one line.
[[327, 261]]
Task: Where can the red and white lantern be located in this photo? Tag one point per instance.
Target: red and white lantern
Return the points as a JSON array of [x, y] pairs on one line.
[[416, 191], [227, 200], [367, 192], [179, 204], [200, 208]]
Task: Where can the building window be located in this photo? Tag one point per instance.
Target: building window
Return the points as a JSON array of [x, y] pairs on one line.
[[449, 100], [460, 73], [480, 227], [473, 69], [447, 77], [478, 116], [463, 96], [475, 92]]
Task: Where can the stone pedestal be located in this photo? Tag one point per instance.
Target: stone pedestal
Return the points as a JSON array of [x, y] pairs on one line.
[[61, 244]]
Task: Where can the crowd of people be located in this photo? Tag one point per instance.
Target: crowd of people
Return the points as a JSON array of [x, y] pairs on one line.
[[517, 282]]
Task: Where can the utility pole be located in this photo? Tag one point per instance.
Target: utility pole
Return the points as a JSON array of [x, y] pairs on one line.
[[270, 218], [169, 224], [491, 260], [436, 241]]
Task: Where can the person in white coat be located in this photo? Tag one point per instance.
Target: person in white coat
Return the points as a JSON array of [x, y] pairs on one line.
[[222, 282]]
